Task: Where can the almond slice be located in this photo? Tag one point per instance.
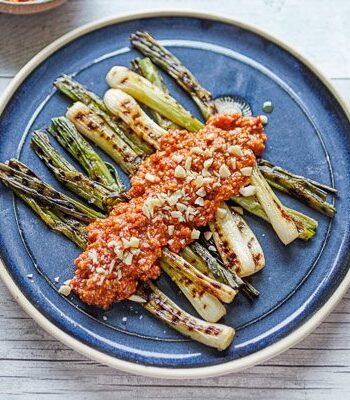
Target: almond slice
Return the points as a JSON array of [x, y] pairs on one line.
[[221, 213], [180, 172], [247, 191], [149, 177], [246, 171], [235, 150], [195, 234], [208, 163], [208, 235], [224, 171], [199, 201], [201, 192]]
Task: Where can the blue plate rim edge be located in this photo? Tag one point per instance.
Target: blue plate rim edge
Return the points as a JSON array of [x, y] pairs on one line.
[[127, 366]]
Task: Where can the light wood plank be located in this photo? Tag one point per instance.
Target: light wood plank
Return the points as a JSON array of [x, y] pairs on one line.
[[306, 25], [3, 84]]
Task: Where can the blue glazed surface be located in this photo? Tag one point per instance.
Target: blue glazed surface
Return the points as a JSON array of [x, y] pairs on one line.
[[308, 133]]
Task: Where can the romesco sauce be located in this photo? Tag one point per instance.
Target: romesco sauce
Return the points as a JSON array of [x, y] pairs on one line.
[[176, 190]]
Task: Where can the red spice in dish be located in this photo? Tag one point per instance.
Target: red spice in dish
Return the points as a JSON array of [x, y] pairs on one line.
[[176, 190]]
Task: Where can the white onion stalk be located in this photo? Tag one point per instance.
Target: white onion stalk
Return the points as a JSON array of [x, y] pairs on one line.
[[157, 303], [96, 129], [206, 305], [126, 108], [230, 243], [251, 241], [223, 292], [279, 218], [149, 94]]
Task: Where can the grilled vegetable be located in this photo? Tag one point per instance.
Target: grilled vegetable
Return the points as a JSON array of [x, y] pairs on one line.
[[221, 291], [251, 241], [147, 93], [236, 243], [206, 305], [19, 177], [94, 128], [157, 303], [197, 261], [221, 273], [148, 70], [306, 226], [148, 46], [77, 92], [280, 220], [67, 135], [125, 107], [58, 222], [309, 192], [74, 180]]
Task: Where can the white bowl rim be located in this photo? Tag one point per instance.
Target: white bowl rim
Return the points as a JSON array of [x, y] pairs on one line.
[[26, 3], [127, 366]]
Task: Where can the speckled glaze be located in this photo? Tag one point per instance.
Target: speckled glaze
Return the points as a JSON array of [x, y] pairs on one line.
[[308, 133]]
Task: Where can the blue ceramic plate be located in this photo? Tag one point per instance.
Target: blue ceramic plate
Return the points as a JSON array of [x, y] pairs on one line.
[[308, 132]]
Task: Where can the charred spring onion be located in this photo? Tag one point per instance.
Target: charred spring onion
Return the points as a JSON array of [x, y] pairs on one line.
[[77, 92], [149, 94], [309, 192], [236, 243], [93, 127], [230, 242], [219, 290], [74, 180], [306, 226], [19, 177], [279, 218], [145, 68], [206, 305], [58, 222], [213, 335], [67, 135], [125, 107], [221, 273], [145, 43]]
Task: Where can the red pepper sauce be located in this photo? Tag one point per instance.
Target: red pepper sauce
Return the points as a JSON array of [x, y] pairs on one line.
[[176, 190]]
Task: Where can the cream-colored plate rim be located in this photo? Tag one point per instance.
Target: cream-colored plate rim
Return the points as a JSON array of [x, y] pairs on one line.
[[157, 372]]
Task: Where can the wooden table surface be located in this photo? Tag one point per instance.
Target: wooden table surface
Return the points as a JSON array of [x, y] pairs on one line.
[[33, 365]]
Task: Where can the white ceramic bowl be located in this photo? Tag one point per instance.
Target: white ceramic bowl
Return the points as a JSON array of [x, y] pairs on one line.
[[28, 7]]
